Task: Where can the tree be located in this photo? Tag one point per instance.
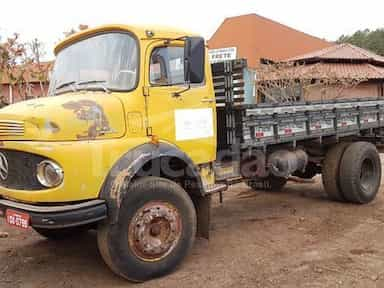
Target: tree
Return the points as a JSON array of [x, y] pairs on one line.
[[12, 58], [38, 70], [20, 62], [367, 39]]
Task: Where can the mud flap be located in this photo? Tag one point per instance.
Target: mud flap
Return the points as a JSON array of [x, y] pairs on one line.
[[203, 210]]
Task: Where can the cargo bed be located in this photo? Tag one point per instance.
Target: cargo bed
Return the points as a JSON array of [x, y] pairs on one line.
[[260, 125]]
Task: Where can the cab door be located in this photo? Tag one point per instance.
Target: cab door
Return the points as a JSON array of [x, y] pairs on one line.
[[176, 114]]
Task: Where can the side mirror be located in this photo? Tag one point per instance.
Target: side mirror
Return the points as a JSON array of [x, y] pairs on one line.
[[194, 60]]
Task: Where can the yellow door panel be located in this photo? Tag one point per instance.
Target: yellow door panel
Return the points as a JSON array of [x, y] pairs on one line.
[[182, 116]]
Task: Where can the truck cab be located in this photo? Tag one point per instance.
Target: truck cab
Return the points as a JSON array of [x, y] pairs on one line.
[[112, 89], [125, 103]]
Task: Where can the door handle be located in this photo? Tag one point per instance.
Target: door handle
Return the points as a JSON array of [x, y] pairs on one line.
[[207, 100]]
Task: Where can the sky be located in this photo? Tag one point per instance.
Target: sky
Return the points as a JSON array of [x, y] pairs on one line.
[[47, 20]]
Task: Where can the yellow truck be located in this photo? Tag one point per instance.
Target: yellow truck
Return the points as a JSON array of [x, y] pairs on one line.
[[140, 130]]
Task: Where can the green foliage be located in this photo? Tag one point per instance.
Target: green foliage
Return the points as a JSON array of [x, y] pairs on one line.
[[367, 39]]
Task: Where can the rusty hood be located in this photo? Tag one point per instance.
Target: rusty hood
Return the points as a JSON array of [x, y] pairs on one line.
[[69, 117]]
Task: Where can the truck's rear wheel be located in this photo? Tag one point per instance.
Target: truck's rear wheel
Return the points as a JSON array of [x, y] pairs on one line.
[[154, 232], [330, 171], [271, 183], [360, 173]]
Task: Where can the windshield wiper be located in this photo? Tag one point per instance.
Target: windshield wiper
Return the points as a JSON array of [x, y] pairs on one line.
[[65, 84], [100, 82]]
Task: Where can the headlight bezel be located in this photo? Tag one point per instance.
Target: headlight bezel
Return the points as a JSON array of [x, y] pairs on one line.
[[43, 178]]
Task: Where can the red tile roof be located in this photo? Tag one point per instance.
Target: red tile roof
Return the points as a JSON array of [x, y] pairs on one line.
[[326, 71], [349, 71], [381, 69], [257, 37], [340, 52]]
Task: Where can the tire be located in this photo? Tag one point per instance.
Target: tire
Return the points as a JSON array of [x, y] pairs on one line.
[[360, 173], [330, 171], [63, 233], [271, 183], [155, 230]]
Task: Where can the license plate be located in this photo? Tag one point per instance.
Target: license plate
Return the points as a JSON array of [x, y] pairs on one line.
[[17, 219]]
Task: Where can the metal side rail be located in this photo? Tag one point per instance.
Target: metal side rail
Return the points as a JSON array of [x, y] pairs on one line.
[[272, 124]]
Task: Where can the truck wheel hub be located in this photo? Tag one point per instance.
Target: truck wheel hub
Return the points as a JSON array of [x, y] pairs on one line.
[[154, 231]]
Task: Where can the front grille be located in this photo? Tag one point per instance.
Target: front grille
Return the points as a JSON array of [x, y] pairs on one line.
[[21, 170], [11, 128]]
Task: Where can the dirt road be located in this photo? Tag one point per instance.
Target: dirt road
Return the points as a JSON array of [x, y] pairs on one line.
[[295, 238]]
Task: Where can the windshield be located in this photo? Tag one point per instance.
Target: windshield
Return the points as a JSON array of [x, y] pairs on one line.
[[106, 62]]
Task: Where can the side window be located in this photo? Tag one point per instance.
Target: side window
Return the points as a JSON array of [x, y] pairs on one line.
[[167, 66]]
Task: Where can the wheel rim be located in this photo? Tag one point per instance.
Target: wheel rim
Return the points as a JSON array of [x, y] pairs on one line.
[[367, 173], [154, 231]]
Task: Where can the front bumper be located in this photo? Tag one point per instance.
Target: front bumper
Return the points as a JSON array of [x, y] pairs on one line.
[[55, 217]]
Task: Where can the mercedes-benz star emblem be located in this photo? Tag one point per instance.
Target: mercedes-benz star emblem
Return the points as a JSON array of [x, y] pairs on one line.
[[3, 167]]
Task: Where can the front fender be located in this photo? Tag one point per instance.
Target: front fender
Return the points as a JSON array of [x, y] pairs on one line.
[[131, 163]]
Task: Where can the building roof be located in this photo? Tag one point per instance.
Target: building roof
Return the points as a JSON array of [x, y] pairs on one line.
[[257, 37], [355, 71], [342, 70], [340, 53], [341, 61], [321, 70], [381, 69]]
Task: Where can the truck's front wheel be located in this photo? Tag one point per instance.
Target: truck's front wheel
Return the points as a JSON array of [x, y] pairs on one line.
[[155, 230]]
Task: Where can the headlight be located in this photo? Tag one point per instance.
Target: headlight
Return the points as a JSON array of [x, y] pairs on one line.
[[49, 173]]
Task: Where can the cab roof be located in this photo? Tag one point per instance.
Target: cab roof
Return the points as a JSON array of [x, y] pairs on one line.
[[139, 31]]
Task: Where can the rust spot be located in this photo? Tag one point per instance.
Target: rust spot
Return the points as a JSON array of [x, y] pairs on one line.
[[117, 185], [91, 111], [122, 177]]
